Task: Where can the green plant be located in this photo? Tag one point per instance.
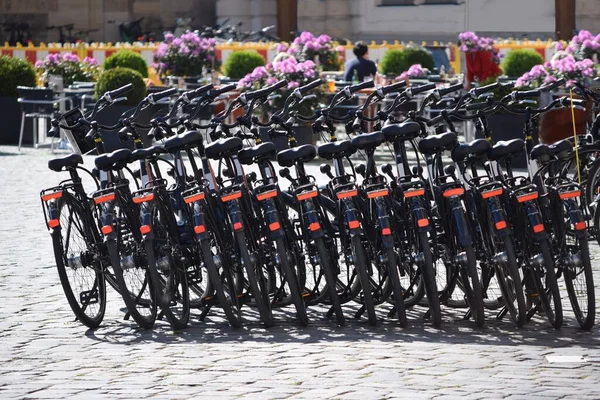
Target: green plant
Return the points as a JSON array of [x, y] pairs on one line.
[[70, 67], [241, 63], [14, 72], [417, 55], [519, 61], [395, 61], [117, 77], [127, 59], [392, 62]]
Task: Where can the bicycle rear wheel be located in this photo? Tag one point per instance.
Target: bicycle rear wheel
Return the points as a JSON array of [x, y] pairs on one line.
[[429, 281], [360, 264], [259, 291], [472, 287], [81, 278], [510, 283], [580, 287], [547, 290], [397, 290], [290, 276]]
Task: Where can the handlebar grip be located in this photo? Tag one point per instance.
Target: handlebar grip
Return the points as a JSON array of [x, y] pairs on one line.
[[487, 88], [203, 89], [554, 85], [161, 95], [436, 78], [310, 86], [520, 95], [223, 89], [423, 88], [361, 86], [477, 106], [393, 87], [264, 91], [435, 120], [450, 89], [113, 94]]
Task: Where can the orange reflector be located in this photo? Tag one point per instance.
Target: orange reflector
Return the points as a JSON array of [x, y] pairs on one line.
[[423, 222], [307, 195], [569, 195], [232, 196], [580, 225], [274, 226], [51, 196], [53, 223], [348, 193], [492, 193], [377, 193], [454, 192], [199, 229], [538, 228], [500, 225], [386, 231], [143, 199], [237, 226], [413, 193], [353, 224], [106, 229], [194, 197], [314, 226], [527, 197], [105, 198], [145, 229], [266, 195]]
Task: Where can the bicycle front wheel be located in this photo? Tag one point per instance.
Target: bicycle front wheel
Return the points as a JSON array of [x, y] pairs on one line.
[[472, 287], [81, 278], [580, 287]]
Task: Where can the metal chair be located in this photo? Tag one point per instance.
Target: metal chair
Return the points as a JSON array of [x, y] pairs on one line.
[[36, 103]]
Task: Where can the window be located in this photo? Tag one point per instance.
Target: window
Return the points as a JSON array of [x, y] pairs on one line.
[[418, 2]]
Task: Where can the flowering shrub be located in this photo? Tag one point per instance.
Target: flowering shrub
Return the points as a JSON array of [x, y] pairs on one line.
[[414, 71], [70, 67], [308, 47], [562, 65], [583, 45], [186, 55], [470, 42], [284, 66]]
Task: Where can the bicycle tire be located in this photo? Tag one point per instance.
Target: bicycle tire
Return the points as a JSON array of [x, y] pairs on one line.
[[553, 313], [144, 322], [585, 319], [292, 280], [519, 313], [472, 287], [360, 264], [60, 255], [260, 298], [233, 316], [397, 290], [592, 182], [330, 280], [167, 295], [429, 281]]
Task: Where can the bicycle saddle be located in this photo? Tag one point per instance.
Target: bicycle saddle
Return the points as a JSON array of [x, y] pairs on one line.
[[506, 149], [404, 131], [287, 158], [141, 154], [115, 160], [367, 141], [70, 161], [436, 143], [224, 148], [333, 150], [180, 142], [541, 153], [477, 148], [259, 152]]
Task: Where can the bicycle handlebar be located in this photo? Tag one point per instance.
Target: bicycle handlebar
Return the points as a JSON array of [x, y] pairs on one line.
[[554, 85], [109, 96], [521, 95], [423, 88], [264, 92], [487, 88], [153, 98], [393, 87], [309, 86], [450, 89]]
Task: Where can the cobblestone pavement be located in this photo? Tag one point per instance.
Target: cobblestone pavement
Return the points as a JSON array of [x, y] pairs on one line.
[[45, 354]]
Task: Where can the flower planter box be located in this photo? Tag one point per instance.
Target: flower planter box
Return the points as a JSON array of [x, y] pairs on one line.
[[11, 122]]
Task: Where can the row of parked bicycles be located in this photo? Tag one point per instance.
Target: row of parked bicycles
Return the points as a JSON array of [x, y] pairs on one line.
[[181, 225]]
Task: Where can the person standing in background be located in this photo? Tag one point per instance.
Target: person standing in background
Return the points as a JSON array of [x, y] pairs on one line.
[[360, 67]]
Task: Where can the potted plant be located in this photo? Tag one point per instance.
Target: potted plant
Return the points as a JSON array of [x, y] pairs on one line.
[[297, 73], [572, 65], [186, 56], [481, 58], [241, 63], [127, 59], [322, 50], [519, 61], [395, 62], [112, 79], [69, 67], [13, 72]]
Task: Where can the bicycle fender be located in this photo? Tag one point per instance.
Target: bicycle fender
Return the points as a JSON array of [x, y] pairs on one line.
[[498, 218], [272, 219], [576, 218], [198, 220], [312, 218], [464, 236], [383, 216], [421, 217], [535, 222]]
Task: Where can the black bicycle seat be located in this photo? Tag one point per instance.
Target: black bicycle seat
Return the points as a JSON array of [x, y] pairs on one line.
[[506, 149], [180, 142], [256, 153], [368, 141], [115, 160], [436, 143], [303, 153], [404, 131], [477, 148], [224, 148], [70, 161], [333, 150], [141, 154]]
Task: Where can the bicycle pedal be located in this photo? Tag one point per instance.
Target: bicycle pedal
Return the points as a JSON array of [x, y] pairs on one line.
[[204, 312], [467, 316]]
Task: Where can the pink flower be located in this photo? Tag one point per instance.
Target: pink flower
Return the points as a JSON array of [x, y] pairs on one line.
[[39, 64], [271, 80], [293, 85], [169, 37], [281, 47], [91, 61], [559, 46], [339, 48]]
